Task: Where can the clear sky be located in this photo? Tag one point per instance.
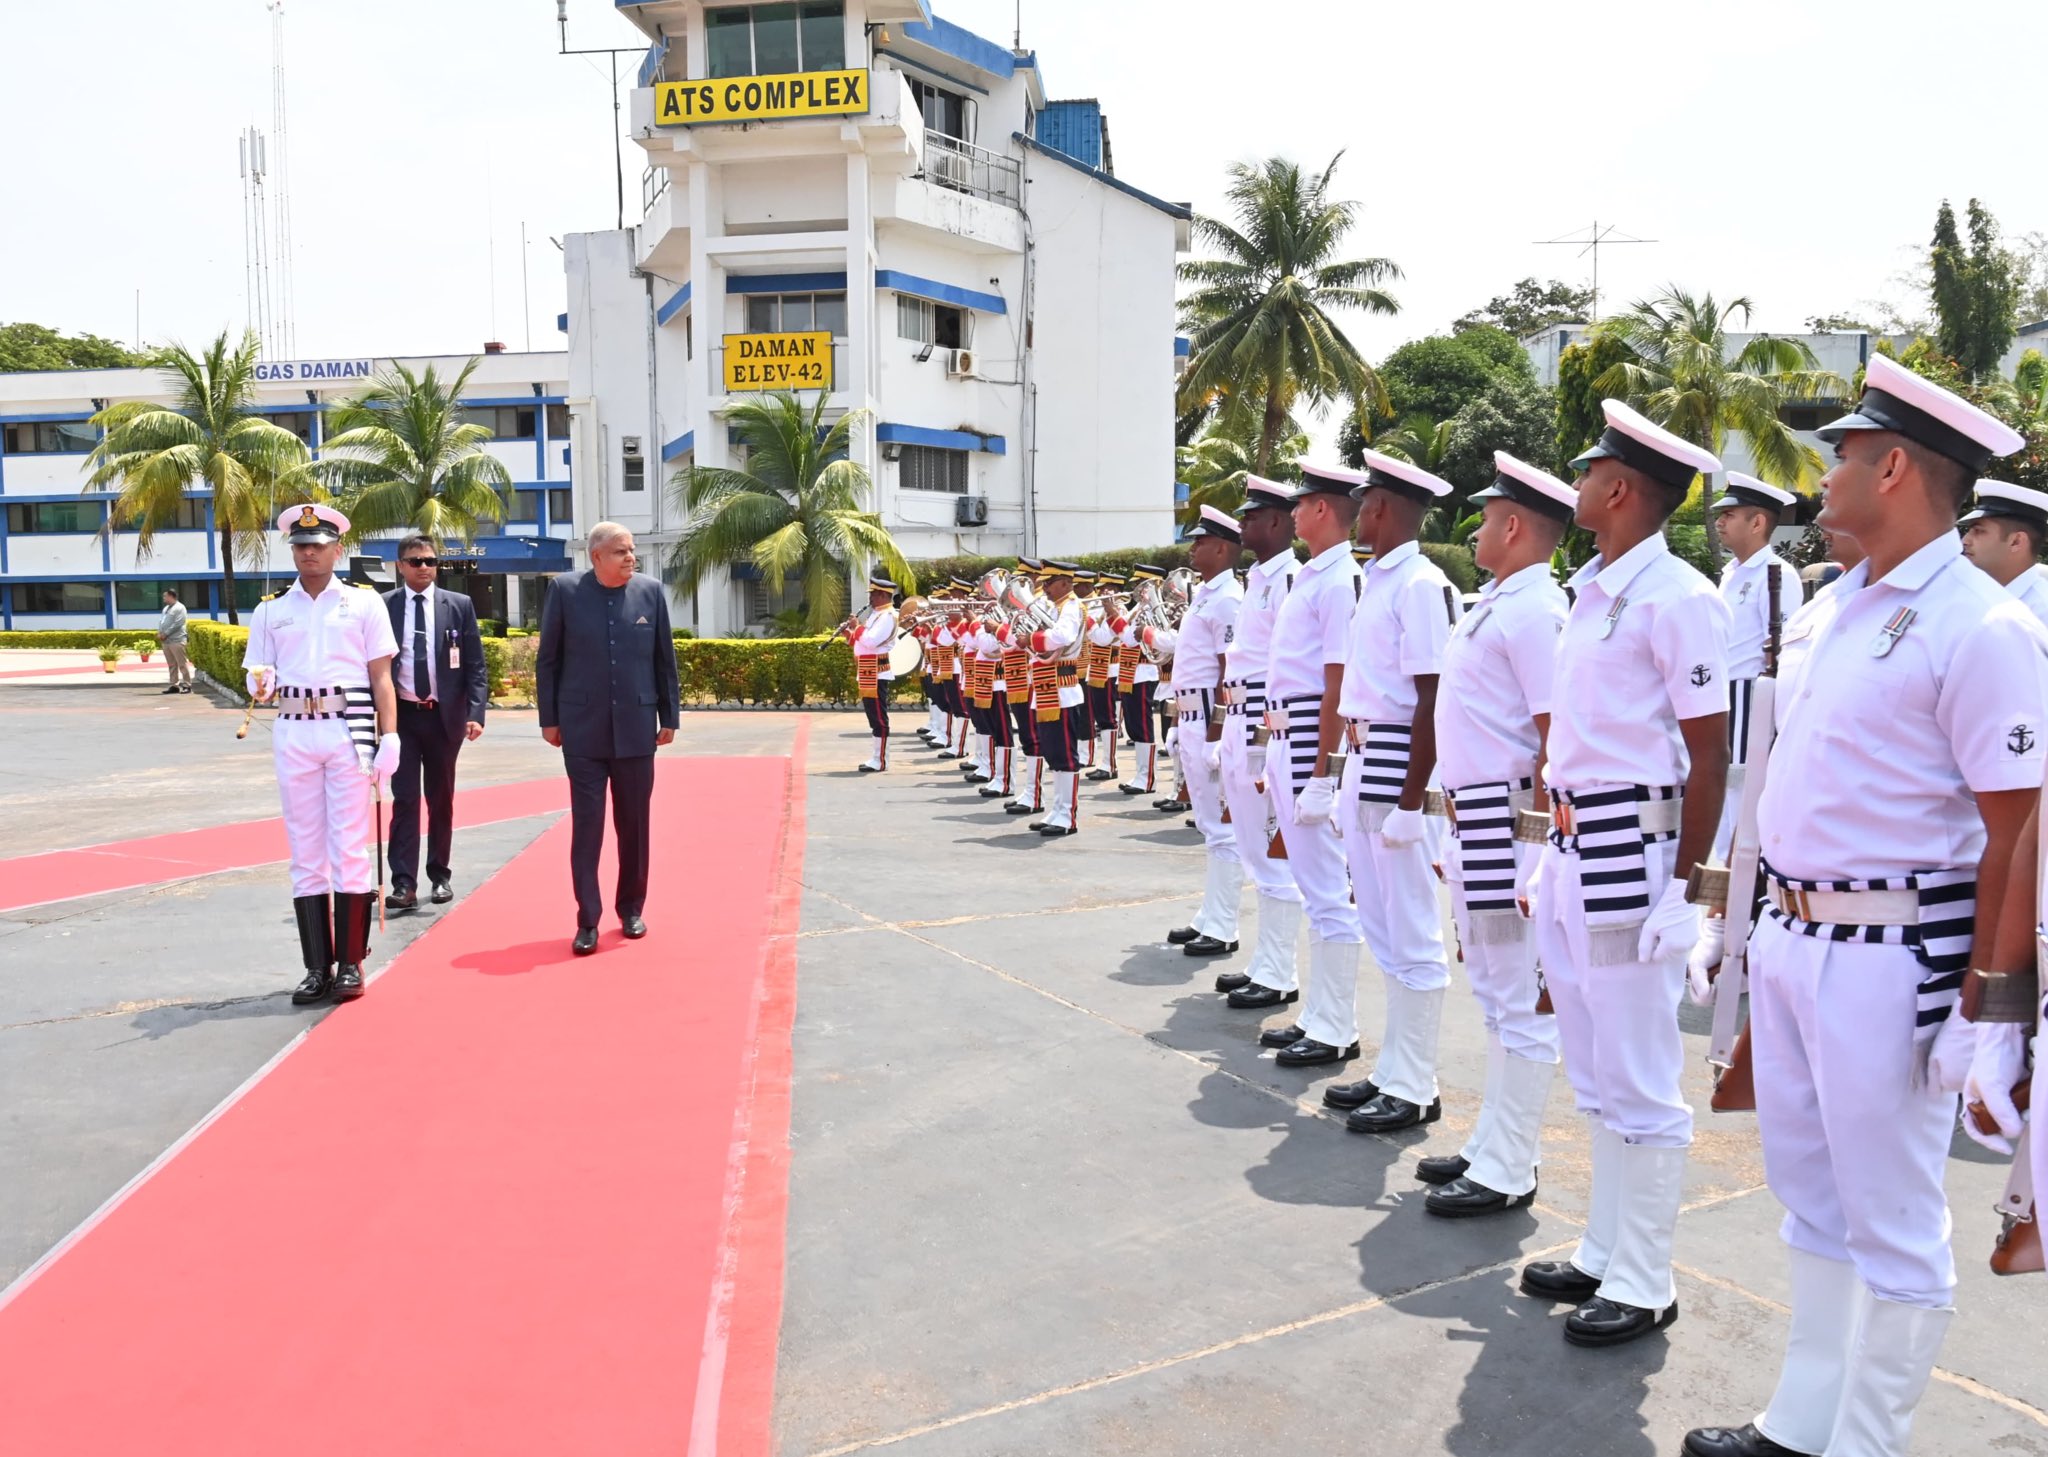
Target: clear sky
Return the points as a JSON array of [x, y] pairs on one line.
[[1784, 149]]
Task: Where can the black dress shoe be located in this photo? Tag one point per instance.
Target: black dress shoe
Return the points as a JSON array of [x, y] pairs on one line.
[[633, 926], [1742, 1441], [1253, 997], [869, 768], [1604, 1322], [990, 792], [585, 942], [977, 778], [443, 893], [169, 691], [1389, 1114], [314, 988], [949, 754], [1208, 946], [1350, 1095], [1310, 1053], [1559, 1280], [402, 900], [1133, 789], [348, 983], [1053, 832], [1442, 1169], [1463, 1199], [1096, 776], [1233, 981], [1281, 1036], [1018, 808], [1181, 935]]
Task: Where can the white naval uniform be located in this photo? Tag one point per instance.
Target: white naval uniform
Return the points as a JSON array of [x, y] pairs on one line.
[[1399, 627], [1197, 674], [1246, 663], [1801, 630], [2031, 587], [1497, 677], [315, 643], [1745, 587], [1644, 647], [1872, 778]]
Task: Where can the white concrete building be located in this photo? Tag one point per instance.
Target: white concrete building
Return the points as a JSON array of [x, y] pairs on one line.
[[864, 198], [58, 569]]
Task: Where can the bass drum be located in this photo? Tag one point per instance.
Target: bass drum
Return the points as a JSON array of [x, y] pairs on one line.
[[905, 656]]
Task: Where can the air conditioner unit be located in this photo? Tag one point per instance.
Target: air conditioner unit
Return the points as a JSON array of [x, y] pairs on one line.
[[960, 365], [970, 511], [948, 169]]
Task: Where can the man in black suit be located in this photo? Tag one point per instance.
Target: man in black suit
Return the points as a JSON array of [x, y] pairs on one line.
[[605, 685], [443, 690]]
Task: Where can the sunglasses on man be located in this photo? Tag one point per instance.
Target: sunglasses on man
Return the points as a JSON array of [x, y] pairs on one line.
[[420, 561]]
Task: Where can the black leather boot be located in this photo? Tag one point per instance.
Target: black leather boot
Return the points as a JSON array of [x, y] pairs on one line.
[[1389, 1114], [1350, 1095], [1464, 1198], [316, 949], [1604, 1322], [1742, 1441], [351, 941]]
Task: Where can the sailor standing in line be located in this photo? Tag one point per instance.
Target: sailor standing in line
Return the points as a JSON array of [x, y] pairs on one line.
[[1058, 710], [2004, 536], [323, 649], [1909, 762], [1140, 681], [872, 640], [1492, 713], [1215, 545], [1406, 611], [1098, 680], [1248, 786], [1638, 755]]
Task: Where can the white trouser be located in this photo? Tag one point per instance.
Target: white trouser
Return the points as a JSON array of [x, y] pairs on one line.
[[1225, 875], [1617, 1024], [1731, 810], [1503, 972], [1853, 1151], [1250, 809], [1315, 856], [327, 806]]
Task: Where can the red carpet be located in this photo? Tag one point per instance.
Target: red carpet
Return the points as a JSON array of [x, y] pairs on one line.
[[513, 1202], [32, 880], [93, 667]]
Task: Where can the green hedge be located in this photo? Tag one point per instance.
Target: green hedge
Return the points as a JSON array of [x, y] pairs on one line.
[[1455, 562], [133, 639], [216, 650]]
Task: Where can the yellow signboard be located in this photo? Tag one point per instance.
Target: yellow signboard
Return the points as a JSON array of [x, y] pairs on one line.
[[778, 362], [760, 98]]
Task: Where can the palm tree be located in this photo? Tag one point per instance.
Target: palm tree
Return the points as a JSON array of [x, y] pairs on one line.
[[797, 508], [1259, 314], [1213, 468], [152, 454], [1683, 375], [402, 457]]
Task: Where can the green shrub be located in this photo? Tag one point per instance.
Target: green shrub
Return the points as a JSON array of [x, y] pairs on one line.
[[1455, 562], [491, 626], [216, 650]]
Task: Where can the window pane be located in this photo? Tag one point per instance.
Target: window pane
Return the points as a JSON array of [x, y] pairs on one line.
[[728, 43], [522, 421], [561, 508], [925, 468], [912, 320], [60, 597], [824, 34], [70, 436], [796, 314], [32, 518], [299, 422], [775, 49], [761, 313], [558, 422], [525, 506], [949, 327], [832, 314], [251, 590]]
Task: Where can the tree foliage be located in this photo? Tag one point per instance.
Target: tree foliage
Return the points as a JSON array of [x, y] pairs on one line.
[[1975, 290], [1579, 419], [1214, 468], [1530, 307], [36, 347], [400, 455]]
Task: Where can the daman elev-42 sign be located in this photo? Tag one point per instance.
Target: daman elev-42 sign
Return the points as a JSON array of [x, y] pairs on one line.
[[760, 98], [778, 362]]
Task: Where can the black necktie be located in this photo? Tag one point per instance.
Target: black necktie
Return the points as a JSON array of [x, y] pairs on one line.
[[422, 683]]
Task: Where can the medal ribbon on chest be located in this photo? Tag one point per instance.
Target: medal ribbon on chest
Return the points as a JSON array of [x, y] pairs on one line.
[[1888, 636]]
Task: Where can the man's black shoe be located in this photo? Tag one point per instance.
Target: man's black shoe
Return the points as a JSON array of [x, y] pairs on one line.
[[869, 768], [1018, 807], [991, 792], [1350, 1095], [184, 687], [1281, 1036], [1168, 806], [443, 893], [977, 778], [351, 941], [1310, 1053], [169, 691], [1053, 832], [1133, 789], [1559, 1280], [406, 899], [1389, 1114], [1096, 776], [949, 754], [1233, 981], [1742, 1441], [585, 942], [314, 988], [1442, 1169], [1252, 997], [1463, 1199], [348, 983], [1208, 946], [1604, 1322], [633, 926], [1181, 935]]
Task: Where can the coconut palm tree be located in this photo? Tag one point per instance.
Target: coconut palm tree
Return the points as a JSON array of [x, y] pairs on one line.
[[1260, 314], [1213, 468], [399, 455], [797, 509], [211, 435]]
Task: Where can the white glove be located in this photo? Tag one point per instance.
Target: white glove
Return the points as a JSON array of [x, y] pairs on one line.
[[261, 682], [386, 763], [1401, 828], [1955, 1048], [1530, 887], [1995, 1066], [1212, 758], [1317, 802], [1673, 927], [1705, 957]]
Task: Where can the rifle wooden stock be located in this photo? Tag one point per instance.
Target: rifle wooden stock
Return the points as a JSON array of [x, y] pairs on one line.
[[2018, 1248], [1735, 1084]]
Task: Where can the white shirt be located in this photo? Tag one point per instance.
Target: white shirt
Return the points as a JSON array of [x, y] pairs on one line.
[[2031, 587], [1062, 641], [1622, 692], [1204, 630], [1406, 610], [1745, 587], [1801, 630], [875, 640], [1496, 678], [1314, 625], [1250, 639], [327, 641], [402, 669], [1873, 772]]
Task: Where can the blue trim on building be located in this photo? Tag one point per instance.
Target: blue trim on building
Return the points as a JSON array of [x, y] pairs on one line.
[[941, 439], [963, 45], [212, 538], [683, 444], [945, 293], [1183, 346], [676, 301], [932, 71], [784, 282], [487, 400], [45, 420], [562, 322], [1171, 209]]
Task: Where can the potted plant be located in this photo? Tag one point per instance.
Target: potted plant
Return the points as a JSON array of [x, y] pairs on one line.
[[147, 650], [109, 654]]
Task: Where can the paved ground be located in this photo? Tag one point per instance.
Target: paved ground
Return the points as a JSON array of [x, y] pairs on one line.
[[1046, 1195]]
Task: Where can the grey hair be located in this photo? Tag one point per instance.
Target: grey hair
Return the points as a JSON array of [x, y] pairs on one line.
[[603, 532]]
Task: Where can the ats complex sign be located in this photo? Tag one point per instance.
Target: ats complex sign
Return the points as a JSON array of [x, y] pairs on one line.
[[760, 98], [777, 362]]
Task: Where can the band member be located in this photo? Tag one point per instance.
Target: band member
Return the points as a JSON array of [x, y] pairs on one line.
[[1304, 683], [1028, 790], [1140, 682], [1638, 754], [872, 635], [322, 650], [1098, 679], [1907, 767], [1085, 589], [1394, 655], [1215, 544], [1249, 786], [992, 701], [2004, 534], [1056, 654], [1492, 713]]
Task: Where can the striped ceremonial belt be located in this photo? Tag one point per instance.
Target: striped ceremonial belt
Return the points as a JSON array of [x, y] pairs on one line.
[[1247, 702], [1740, 691], [1304, 725], [1193, 705], [1484, 824], [1609, 828], [1383, 753], [353, 706]]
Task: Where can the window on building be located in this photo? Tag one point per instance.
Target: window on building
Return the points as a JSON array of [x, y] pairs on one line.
[[52, 518], [930, 323], [634, 476], [522, 506], [189, 516], [148, 595], [774, 40], [945, 112], [251, 590], [928, 468], [61, 597], [299, 422], [1808, 417], [49, 437], [505, 422], [797, 313], [558, 422], [561, 506]]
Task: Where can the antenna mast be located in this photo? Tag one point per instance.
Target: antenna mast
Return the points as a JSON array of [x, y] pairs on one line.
[[255, 239], [286, 326], [1592, 241]]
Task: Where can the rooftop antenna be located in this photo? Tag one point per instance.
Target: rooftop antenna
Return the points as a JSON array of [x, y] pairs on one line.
[[286, 326], [1592, 241], [1017, 40], [255, 239]]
